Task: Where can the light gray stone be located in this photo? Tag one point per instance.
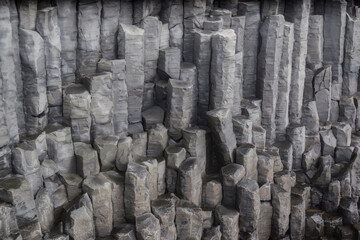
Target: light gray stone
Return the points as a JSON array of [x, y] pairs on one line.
[[72, 183], [169, 61], [231, 175], [220, 121], [228, 219], [281, 202], [153, 116], [347, 110], [265, 168], [45, 209], [152, 167], [126, 232], [147, 227], [157, 140], [188, 221], [213, 24], [296, 135], [211, 193], [328, 142], [188, 73], [297, 218], [242, 129], [259, 137], [139, 145], [315, 40], [314, 224], [266, 212], [246, 156], [310, 117], [107, 147], [87, 162]]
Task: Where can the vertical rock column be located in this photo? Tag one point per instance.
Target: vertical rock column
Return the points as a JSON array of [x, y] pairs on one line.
[[195, 145], [76, 110], [169, 62], [68, 38], [351, 57], [222, 69], [88, 48], [8, 78], [47, 26], [271, 33], [238, 25], [315, 42], [298, 12], [109, 28], [296, 135], [188, 73], [334, 35], [101, 108], [202, 60], [126, 12], [137, 192], [194, 15], [322, 92], [120, 93], [131, 48], [282, 103], [14, 19], [179, 107], [220, 122], [34, 79], [251, 11]]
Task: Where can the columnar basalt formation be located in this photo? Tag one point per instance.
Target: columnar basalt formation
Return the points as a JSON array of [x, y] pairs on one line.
[[179, 119]]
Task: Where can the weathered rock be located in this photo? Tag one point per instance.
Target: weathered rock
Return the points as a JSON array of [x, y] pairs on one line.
[[169, 61], [188, 73], [147, 227], [175, 156], [275, 155], [131, 48], [137, 192], [157, 140], [298, 13], [315, 41], [58, 194], [180, 98], [60, 147], [222, 69], [242, 129], [271, 33], [117, 197], [265, 168], [330, 223], [171, 179], [88, 44], [347, 110], [211, 193], [296, 135], [123, 153], [231, 175], [281, 202], [188, 221], [152, 116], [259, 137], [190, 182], [266, 212], [106, 146], [87, 162], [101, 108], [119, 93], [213, 233], [328, 142], [72, 183], [99, 189], [322, 92], [342, 133], [351, 61], [228, 219], [252, 109], [348, 210], [246, 156], [67, 16], [251, 11], [323, 175], [139, 145], [314, 224], [152, 168], [286, 154], [335, 11], [17, 191], [164, 210], [297, 218], [223, 135], [45, 209], [248, 204], [213, 24], [126, 232], [310, 117], [78, 221], [8, 221], [195, 145], [48, 168], [202, 60], [265, 192]]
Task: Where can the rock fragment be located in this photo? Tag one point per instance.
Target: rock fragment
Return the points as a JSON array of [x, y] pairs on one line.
[[228, 219]]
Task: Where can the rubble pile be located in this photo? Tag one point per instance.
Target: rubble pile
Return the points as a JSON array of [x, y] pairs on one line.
[[179, 119]]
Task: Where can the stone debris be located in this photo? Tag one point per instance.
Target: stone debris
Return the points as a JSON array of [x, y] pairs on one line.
[[179, 119]]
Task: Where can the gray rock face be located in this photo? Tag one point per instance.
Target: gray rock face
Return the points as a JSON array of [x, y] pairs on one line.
[[169, 61], [107, 147], [45, 208], [335, 11], [157, 140], [228, 219], [8, 221], [220, 121], [79, 218], [315, 42], [222, 69], [99, 189], [164, 210], [298, 12], [175, 156], [190, 182], [246, 156], [131, 48], [88, 45], [314, 223], [87, 162], [152, 167], [202, 60], [264, 227], [188, 73], [119, 92], [147, 227], [281, 202], [211, 193], [231, 175], [265, 168], [271, 33], [242, 129], [251, 11], [60, 147], [248, 204], [347, 110], [123, 153], [297, 218], [195, 144], [180, 99], [137, 191], [296, 135], [322, 92], [188, 221]]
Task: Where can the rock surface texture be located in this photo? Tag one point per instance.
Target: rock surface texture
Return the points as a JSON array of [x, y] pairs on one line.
[[179, 119]]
